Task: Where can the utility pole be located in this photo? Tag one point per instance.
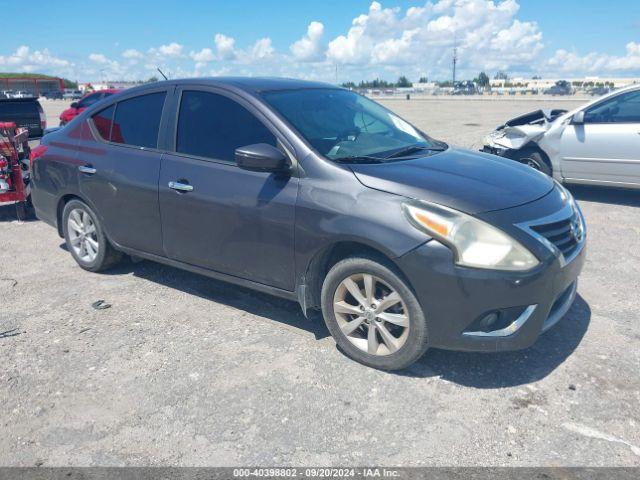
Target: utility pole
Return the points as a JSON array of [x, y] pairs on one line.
[[455, 58]]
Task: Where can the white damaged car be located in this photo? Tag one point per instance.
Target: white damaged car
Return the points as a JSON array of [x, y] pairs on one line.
[[597, 144]]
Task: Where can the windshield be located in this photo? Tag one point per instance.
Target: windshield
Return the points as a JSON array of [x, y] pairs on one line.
[[342, 125]]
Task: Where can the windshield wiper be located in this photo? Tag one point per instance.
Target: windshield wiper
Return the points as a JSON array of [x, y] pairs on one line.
[[413, 149], [359, 159]]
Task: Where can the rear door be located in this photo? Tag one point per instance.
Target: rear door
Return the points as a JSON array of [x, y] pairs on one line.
[[606, 148], [119, 169], [229, 220]]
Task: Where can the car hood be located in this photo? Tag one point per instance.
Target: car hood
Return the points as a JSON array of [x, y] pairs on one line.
[[468, 181]]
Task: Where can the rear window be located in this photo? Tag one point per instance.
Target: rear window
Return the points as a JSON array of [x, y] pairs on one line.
[[18, 109]]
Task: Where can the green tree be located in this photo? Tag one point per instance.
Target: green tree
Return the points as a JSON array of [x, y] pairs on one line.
[[403, 82], [482, 80], [501, 76]]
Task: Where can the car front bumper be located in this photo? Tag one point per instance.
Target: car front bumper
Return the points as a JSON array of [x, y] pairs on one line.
[[455, 298]]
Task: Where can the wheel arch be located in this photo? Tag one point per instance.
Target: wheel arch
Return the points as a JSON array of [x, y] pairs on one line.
[[62, 201], [309, 285], [534, 147]]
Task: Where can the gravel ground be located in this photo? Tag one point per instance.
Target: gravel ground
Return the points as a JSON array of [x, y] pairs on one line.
[[183, 370]]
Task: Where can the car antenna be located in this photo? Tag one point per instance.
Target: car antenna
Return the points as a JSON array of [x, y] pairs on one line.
[[162, 73]]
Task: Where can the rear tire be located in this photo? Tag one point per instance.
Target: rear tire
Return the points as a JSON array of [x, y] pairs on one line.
[[537, 161], [85, 238], [384, 326]]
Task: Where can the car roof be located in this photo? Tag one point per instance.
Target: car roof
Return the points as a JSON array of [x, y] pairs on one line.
[[106, 90], [252, 85]]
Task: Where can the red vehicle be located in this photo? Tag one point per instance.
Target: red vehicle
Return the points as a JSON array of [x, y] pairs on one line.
[[14, 168], [81, 105]]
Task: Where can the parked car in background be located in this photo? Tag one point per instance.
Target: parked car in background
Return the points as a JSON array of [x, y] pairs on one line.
[[70, 94], [22, 94], [322, 196], [53, 95], [599, 91], [24, 112], [85, 102], [598, 143], [464, 88], [562, 87]]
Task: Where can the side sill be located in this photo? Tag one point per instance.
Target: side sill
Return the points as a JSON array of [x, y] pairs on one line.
[[278, 292]]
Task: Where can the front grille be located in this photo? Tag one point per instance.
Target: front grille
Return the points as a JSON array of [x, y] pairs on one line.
[[565, 234]]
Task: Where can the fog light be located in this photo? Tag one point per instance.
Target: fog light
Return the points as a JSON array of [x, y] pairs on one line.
[[494, 320], [489, 321]]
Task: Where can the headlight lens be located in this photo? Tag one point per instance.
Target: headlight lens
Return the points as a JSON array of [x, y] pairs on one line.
[[474, 242]]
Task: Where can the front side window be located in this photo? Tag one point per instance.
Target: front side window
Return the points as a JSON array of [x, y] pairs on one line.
[[213, 126], [137, 120], [624, 108], [341, 124]]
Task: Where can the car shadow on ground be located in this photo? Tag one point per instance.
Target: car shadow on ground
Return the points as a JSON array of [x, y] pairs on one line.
[[477, 370], [9, 213], [614, 196], [263, 305], [509, 369]]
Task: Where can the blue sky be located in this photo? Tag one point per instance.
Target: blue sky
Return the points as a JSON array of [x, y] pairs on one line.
[[125, 40]]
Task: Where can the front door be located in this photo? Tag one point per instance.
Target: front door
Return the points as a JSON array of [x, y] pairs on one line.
[[216, 215], [606, 148]]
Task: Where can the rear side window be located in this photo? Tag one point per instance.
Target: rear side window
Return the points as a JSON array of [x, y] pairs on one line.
[[103, 121], [213, 126], [137, 120]]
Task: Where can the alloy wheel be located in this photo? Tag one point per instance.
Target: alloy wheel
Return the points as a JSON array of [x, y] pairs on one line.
[[83, 235], [371, 314]]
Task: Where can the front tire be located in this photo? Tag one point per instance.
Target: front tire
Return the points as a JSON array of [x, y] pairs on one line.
[[373, 314], [85, 238], [536, 161]]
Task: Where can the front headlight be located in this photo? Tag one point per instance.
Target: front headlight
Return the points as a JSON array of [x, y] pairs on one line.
[[475, 243]]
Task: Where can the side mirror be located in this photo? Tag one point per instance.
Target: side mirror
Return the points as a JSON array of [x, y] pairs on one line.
[[74, 105], [578, 118], [261, 157]]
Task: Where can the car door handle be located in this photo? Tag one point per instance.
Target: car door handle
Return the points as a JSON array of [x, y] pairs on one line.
[[88, 169], [181, 187]]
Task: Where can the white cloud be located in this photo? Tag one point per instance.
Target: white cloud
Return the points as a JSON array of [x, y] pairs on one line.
[[487, 33], [225, 46], [29, 61], [203, 56], [309, 47], [98, 58], [132, 53], [172, 50], [261, 49], [564, 61]]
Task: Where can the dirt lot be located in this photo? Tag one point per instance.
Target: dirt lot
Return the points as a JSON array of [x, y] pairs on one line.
[[184, 370]]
